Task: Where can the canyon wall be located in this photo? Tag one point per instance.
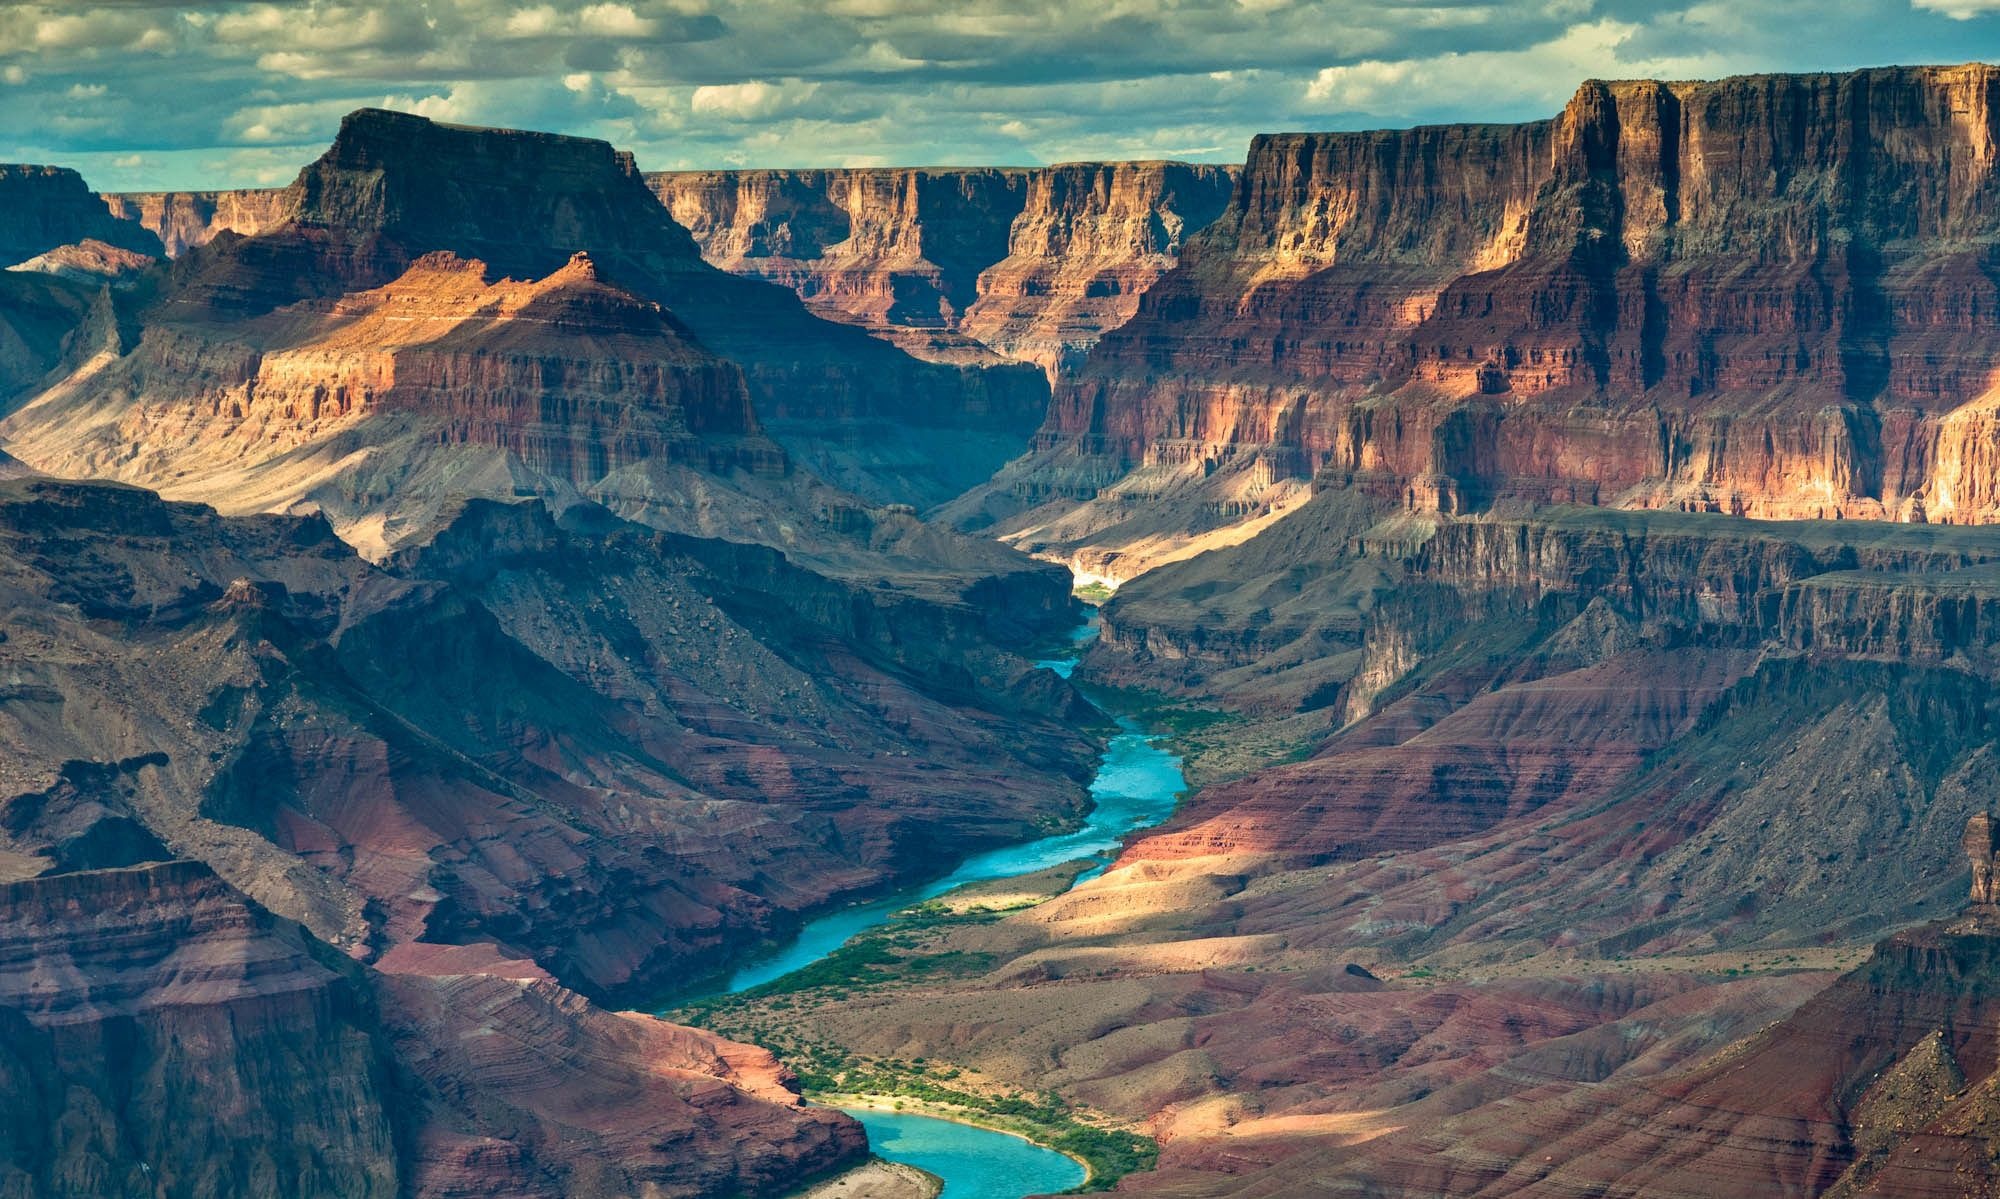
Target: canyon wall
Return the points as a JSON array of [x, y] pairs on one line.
[[1031, 263], [252, 371], [184, 220], [1772, 296], [166, 1036], [43, 207]]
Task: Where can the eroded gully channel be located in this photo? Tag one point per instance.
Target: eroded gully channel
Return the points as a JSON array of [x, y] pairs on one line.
[[1137, 785]]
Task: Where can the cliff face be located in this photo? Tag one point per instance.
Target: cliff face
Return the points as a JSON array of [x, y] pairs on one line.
[[625, 755], [1032, 263], [234, 358], [168, 1037], [184, 220], [1763, 296], [44, 207]]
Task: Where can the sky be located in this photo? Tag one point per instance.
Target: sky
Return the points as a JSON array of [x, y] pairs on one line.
[[142, 95]]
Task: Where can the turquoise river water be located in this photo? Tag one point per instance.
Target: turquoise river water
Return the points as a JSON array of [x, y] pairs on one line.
[[1136, 786], [975, 1163]]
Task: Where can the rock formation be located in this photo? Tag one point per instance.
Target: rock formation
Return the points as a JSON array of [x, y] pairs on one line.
[[43, 207], [1763, 296], [88, 262], [167, 1036], [1982, 852], [184, 220], [1032, 263], [242, 315]]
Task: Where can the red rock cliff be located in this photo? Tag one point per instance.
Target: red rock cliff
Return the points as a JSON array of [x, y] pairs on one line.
[[1768, 295], [1034, 263]]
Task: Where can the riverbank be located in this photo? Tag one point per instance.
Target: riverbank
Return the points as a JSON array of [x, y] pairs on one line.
[[902, 953], [877, 1179], [956, 1114]]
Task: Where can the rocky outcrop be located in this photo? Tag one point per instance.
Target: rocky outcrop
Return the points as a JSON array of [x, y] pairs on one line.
[[361, 222], [1032, 263], [45, 207], [1762, 296], [167, 1037], [88, 262], [184, 220], [624, 755]]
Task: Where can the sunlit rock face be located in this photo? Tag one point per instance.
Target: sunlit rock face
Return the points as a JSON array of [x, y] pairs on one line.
[[496, 311], [1031, 263], [184, 220], [1772, 296]]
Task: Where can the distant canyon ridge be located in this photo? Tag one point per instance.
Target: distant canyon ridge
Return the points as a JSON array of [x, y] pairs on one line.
[[1760, 296], [975, 264]]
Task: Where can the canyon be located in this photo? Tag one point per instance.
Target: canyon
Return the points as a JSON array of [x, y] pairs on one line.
[[482, 587], [1031, 264], [1760, 296], [980, 264]]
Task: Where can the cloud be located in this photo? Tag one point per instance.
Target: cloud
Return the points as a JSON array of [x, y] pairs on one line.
[[1959, 10], [221, 92], [751, 100], [1545, 73]]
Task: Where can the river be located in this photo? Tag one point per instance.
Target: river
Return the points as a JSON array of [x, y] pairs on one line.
[[975, 1163], [1136, 786]]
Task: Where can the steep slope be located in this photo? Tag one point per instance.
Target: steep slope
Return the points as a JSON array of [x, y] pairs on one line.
[[43, 207], [394, 190], [1764, 295], [625, 755], [167, 1037], [41, 315], [1032, 263]]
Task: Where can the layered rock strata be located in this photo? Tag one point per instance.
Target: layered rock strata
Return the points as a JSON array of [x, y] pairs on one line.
[[1031, 263], [1765, 296], [168, 1037], [184, 220], [240, 316]]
